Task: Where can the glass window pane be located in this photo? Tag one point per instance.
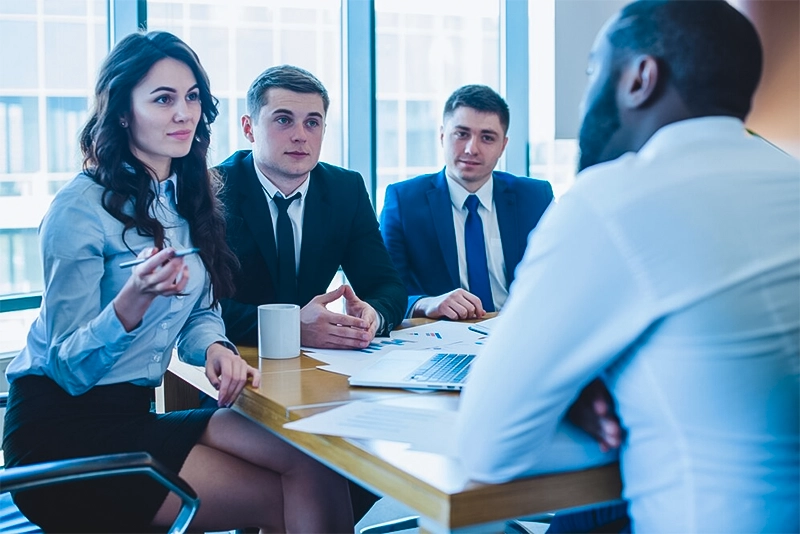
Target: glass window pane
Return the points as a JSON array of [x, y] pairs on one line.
[[66, 67], [65, 7], [20, 266], [19, 134], [236, 41], [550, 159], [65, 116], [421, 129], [426, 50], [40, 119], [15, 7], [18, 52], [388, 133]]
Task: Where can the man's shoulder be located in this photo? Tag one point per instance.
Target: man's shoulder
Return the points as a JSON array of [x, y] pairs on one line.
[[415, 184], [329, 171], [233, 162], [523, 183]]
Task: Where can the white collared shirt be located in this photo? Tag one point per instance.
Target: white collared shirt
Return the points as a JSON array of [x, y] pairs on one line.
[[676, 270], [491, 235], [295, 210]]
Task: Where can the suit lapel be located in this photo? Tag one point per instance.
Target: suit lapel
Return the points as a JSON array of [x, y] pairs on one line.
[[442, 216], [255, 212], [317, 217], [505, 202]]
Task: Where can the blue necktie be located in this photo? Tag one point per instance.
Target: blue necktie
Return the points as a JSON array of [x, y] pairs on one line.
[[477, 266], [286, 290]]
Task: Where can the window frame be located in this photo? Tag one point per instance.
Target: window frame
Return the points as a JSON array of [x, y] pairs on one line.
[[360, 99]]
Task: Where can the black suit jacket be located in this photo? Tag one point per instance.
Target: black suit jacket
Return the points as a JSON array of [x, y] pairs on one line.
[[339, 229], [417, 227]]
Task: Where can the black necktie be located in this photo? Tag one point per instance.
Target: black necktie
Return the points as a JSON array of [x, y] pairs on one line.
[[286, 290], [477, 266]]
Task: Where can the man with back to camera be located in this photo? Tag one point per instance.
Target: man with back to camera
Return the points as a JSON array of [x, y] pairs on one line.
[[456, 236], [292, 221], [425, 225], [672, 266]]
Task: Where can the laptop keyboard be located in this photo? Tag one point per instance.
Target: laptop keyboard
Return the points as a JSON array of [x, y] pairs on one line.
[[443, 367]]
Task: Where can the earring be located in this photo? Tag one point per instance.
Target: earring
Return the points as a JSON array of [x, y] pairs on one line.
[[123, 123]]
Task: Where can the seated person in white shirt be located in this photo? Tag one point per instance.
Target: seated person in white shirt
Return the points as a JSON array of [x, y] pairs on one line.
[[425, 226], [672, 267]]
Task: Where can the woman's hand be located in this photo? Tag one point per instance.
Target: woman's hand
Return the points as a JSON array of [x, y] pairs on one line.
[[228, 373], [161, 275]]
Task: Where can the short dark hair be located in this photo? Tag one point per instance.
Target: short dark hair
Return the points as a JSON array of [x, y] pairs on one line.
[[709, 51], [480, 98], [283, 77]]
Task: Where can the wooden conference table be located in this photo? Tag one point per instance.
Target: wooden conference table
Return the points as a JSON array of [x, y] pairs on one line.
[[433, 485]]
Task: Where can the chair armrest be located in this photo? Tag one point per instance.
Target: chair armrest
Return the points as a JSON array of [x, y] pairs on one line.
[[403, 523], [45, 474]]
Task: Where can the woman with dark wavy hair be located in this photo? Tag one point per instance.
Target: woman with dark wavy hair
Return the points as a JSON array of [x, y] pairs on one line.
[[84, 382]]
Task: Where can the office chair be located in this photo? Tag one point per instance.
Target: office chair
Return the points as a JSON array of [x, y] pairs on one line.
[[48, 473]]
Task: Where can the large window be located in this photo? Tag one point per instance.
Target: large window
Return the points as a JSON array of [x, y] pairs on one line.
[[49, 54], [50, 51], [237, 40], [426, 50]]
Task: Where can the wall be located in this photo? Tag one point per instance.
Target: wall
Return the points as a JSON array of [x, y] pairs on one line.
[[577, 24], [776, 109]]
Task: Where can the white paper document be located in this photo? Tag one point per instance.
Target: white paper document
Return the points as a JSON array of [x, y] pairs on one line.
[[424, 429], [485, 327], [348, 362], [379, 345], [437, 333]]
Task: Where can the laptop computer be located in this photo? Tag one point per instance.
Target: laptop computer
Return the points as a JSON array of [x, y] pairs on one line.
[[423, 369]]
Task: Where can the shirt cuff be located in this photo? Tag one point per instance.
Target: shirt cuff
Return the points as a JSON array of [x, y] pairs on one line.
[[381, 322]]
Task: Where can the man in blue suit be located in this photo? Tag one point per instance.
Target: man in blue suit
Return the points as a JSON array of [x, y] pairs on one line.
[[425, 224], [429, 228]]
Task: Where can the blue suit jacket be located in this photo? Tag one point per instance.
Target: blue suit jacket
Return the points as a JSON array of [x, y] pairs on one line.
[[417, 227]]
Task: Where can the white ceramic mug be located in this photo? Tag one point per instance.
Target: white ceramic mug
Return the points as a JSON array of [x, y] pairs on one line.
[[278, 331]]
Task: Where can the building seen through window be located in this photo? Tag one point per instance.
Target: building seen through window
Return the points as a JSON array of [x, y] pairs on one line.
[[237, 40], [50, 51], [426, 50], [49, 54]]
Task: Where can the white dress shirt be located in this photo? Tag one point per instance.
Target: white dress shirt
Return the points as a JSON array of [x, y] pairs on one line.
[[676, 270], [491, 234], [295, 210]]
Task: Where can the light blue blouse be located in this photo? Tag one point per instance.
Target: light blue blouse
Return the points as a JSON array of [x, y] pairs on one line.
[[77, 340]]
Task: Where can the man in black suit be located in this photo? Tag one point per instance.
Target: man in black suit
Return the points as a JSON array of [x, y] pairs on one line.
[[293, 221]]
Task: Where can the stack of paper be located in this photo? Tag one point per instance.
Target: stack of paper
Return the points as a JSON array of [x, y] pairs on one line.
[[431, 336]]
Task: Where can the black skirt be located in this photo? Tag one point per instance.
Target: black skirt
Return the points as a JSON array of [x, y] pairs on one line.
[[44, 423]]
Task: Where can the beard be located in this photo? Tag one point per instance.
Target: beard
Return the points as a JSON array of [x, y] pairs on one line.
[[599, 124]]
